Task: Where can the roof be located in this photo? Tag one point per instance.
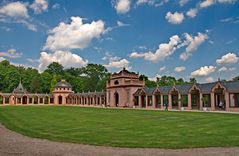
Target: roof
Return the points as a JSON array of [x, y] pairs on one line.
[[149, 91], [183, 89], [165, 89], [232, 86], [206, 87], [19, 89], [63, 83]]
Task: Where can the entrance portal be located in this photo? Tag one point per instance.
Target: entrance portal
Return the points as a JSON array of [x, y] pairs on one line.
[[116, 99], [24, 100], [60, 100]]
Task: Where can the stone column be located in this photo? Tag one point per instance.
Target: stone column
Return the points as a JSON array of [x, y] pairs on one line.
[[154, 101], [200, 101], [227, 101], [169, 101], [179, 101], [140, 101], [189, 101], [38, 100], [100, 101], [3, 100], [161, 101], [43, 100], [146, 100], [212, 101], [21, 101]]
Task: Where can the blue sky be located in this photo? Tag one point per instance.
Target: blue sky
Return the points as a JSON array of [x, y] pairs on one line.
[[181, 38]]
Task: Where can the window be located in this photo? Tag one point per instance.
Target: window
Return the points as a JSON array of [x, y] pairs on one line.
[[184, 100], [165, 99], [234, 100], [116, 82], [206, 100]]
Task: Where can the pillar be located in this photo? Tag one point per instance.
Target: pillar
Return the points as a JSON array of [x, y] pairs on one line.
[[161, 101], [227, 101], [179, 101], [146, 100], [212, 101], [21, 101], [200, 101], [3, 100], [189, 101], [154, 101], [38, 100], [140, 101], [169, 101]]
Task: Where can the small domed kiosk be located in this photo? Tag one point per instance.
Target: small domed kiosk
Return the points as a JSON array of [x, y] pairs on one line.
[[61, 91]]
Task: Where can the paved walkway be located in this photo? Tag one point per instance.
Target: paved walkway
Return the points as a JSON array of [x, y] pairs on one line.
[[12, 144]]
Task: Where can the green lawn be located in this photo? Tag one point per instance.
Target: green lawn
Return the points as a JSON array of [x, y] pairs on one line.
[[123, 128]]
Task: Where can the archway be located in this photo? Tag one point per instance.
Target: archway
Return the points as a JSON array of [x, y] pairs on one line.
[[195, 98], [60, 100], [24, 100], [219, 98], [116, 99], [174, 94]]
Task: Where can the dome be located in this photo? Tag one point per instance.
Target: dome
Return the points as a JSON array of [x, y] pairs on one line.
[[63, 84]]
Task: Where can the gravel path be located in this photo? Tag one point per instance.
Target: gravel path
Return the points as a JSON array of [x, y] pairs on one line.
[[12, 143]]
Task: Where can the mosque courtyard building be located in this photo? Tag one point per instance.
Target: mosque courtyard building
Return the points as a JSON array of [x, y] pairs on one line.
[[125, 89]]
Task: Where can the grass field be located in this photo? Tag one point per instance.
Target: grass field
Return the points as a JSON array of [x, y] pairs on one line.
[[123, 128]]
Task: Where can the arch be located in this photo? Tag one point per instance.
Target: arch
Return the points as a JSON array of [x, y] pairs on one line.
[[35, 100], [219, 96], [175, 97], [59, 99], [195, 97], [116, 82], [24, 99], [116, 94]]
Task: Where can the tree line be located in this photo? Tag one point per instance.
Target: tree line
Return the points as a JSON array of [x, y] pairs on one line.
[[92, 77]]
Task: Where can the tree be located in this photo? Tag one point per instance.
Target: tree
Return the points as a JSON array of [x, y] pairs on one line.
[[35, 85], [55, 68], [53, 83], [192, 80], [235, 78]]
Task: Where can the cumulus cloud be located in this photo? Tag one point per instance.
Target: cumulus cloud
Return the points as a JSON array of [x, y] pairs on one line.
[[66, 58], [155, 3], [203, 71], [122, 6], [193, 43], [164, 50], [222, 69], [192, 12], [157, 76], [75, 35], [209, 79], [183, 2], [207, 3], [175, 18], [39, 6], [2, 59], [15, 10], [179, 69], [11, 53], [228, 58], [115, 61], [118, 64]]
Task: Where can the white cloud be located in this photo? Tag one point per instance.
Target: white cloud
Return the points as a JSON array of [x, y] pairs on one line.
[[179, 69], [2, 59], [175, 18], [15, 10], [193, 43], [222, 69], [203, 71], [56, 6], [162, 68], [155, 3], [209, 79], [66, 58], [183, 2], [121, 24], [228, 58], [11, 53], [164, 50], [119, 63], [75, 35], [39, 6], [227, 1], [154, 78], [207, 3], [232, 69], [192, 12], [122, 6]]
